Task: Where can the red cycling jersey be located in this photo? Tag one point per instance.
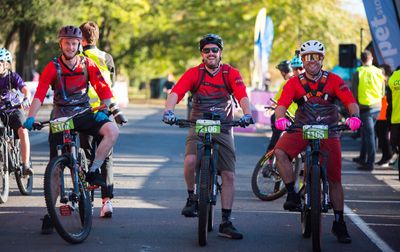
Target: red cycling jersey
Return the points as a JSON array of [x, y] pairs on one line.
[[72, 81], [334, 87], [190, 79]]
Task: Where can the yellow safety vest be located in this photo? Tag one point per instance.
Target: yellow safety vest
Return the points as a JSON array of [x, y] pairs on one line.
[[99, 57], [370, 86], [394, 85], [293, 107]]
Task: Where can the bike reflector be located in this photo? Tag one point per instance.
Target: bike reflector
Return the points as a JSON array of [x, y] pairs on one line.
[[61, 125], [315, 132], [65, 210], [208, 126]]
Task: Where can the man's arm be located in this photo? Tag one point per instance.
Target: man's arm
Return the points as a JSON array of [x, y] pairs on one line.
[[280, 112], [354, 110], [245, 105], [34, 108], [171, 102]]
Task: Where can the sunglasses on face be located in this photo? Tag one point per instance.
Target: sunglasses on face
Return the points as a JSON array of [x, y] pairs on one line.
[[298, 69], [312, 56], [212, 49]]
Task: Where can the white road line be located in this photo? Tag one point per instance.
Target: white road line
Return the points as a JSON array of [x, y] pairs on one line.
[[369, 185], [381, 244], [374, 201], [383, 225]]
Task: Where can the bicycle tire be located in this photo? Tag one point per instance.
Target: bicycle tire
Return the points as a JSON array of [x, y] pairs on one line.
[[4, 175], [73, 218], [315, 198], [24, 183], [267, 187], [204, 200]]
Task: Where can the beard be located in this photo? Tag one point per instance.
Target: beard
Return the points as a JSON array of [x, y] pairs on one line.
[[314, 69], [212, 63]]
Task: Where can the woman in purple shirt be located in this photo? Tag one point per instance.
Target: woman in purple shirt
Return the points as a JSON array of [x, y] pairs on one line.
[[10, 82]]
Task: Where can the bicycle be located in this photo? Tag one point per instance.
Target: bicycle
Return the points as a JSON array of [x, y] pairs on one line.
[[10, 157], [315, 181], [207, 185], [266, 182], [68, 196]]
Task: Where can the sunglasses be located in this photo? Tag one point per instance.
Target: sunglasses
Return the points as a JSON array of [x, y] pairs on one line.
[[208, 50], [297, 68], [312, 56]]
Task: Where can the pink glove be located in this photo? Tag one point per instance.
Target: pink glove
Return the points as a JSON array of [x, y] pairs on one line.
[[354, 123], [282, 123]]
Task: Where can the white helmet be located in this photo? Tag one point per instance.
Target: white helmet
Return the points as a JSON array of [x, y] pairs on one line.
[[312, 46]]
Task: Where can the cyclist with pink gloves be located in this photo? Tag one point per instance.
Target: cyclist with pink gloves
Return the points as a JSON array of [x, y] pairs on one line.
[[315, 92]]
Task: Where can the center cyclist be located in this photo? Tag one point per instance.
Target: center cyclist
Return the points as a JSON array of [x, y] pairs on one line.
[[211, 84], [315, 92]]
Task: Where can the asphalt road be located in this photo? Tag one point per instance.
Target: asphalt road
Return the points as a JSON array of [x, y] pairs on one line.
[[150, 192]]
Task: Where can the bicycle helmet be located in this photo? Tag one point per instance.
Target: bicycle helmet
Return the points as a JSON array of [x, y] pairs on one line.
[[296, 62], [284, 66], [5, 55], [70, 31], [211, 39], [312, 46]]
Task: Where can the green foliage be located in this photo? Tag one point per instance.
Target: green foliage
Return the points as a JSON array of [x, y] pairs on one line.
[[149, 38]]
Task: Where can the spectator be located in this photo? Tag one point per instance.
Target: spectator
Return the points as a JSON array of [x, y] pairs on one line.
[[394, 114], [168, 85], [368, 82], [382, 126]]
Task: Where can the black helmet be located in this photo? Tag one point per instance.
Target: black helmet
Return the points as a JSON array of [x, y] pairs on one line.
[[284, 66], [211, 39], [70, 31]]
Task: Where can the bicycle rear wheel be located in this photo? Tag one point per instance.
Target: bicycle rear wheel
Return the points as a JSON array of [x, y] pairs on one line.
[[4, 175], [70, 213], [265, 182], [204, 200], [316, 207]]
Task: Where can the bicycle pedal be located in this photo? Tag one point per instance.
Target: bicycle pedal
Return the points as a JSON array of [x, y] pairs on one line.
[[65, 210]]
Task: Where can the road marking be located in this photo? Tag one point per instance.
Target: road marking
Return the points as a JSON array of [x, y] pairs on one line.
[[381, 244], [374, 201], [369, 185], [383, 224]]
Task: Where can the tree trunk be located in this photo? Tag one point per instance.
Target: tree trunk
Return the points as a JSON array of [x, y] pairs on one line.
[[24, 57]]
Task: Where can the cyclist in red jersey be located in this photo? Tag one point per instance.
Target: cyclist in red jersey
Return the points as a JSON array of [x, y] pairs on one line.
[[315, 91], [211, 84], [69, 77]]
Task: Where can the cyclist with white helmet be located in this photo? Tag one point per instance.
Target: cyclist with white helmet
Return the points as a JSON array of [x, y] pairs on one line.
[[10, 82], [315, 91]]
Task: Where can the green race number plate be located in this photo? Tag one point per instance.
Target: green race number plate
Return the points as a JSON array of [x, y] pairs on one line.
[[61, 125], [315, 132], [208, 126]]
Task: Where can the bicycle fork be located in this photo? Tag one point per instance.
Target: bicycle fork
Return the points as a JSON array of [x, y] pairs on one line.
[[310, 154]]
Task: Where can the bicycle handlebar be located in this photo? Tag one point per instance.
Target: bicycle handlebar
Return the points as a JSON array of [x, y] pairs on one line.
[[184, 123], [336, 128], [40, 125]]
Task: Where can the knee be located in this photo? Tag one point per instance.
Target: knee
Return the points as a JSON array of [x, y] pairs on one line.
[[111, 131], [228, 177], [190, 161], [280, 155]]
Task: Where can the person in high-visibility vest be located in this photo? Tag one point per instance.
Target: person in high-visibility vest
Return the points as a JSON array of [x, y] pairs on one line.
[[369, 86], [105, 62], [394, 112]]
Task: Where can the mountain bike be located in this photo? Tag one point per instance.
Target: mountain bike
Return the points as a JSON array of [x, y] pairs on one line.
[[207, 185], [10, 157], [315, 196], [67, 194], [266, 182]]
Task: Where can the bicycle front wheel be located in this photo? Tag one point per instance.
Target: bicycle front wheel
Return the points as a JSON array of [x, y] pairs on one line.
[[265, 182], [24, 182], [316, 207], [4, 175], [70, 211], [204, 200]]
